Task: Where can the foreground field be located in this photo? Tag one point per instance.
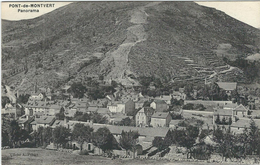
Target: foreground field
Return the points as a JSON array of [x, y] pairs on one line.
[[38, 156]]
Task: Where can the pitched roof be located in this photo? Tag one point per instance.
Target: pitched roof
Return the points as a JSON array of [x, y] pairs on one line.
[[229, 86], [240, 108], [245, 123], [66, 87], [54, 106], [44, 120], [164, 97], [58, 123], [103, 110], [223, 112], [148, 110], [144, 131], [92, 109], [241, 123], [175, 122], [230, 106], [161, 115], [22, 121], [159, 101]]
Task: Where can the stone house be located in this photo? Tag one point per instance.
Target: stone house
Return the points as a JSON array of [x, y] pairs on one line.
[[161, 119], [143, 116], [42, 121], [159, 105], [124, 107]]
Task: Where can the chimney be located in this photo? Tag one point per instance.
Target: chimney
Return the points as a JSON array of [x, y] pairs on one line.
[[65, 120], [35, 87], [17, 94]]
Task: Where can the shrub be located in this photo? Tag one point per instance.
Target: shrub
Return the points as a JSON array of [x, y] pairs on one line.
[[28, 145], [83, 152], [188, 106]]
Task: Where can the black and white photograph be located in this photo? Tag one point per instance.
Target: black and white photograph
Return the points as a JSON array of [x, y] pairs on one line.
[[130, 83]]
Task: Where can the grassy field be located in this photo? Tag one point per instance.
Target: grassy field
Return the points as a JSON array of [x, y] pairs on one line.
[[36, 156]]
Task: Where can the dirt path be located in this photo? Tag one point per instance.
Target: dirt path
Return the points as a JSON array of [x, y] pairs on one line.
[[135, 34]]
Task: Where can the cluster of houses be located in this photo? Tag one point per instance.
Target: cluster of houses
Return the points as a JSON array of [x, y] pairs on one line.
[[150, 115], [43, 110]]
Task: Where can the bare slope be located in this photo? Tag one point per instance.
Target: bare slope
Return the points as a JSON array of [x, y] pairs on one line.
[[119, 39]]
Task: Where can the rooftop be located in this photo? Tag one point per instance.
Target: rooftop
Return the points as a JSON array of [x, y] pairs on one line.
[[161, 115], [223, 112], [159, 101], [44, 120], [228, 86], [103, 110], [240, 108], [146, 131]]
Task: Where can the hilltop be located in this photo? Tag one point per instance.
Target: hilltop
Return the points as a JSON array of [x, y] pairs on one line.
[[122, 41]]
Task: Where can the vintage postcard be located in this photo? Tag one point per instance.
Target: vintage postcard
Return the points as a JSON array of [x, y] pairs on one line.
[[136, 82]]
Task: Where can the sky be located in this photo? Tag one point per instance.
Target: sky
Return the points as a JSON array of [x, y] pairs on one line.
[[248, 12]]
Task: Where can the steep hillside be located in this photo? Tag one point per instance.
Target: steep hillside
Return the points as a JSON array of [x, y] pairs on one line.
[[122, 41]]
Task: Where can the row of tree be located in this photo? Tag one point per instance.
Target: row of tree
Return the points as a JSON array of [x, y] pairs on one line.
[[94, 117], [12, 134], [225, 143], [224, 121], [60, 136]]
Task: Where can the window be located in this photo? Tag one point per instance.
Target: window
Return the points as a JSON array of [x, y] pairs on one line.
[[89, 147]]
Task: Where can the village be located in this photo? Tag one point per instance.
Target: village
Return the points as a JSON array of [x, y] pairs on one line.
[[182, 123]]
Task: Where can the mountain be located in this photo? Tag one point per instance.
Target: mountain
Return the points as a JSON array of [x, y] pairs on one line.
[[122, 41]]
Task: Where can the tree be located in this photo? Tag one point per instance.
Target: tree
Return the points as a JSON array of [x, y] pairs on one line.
[[78, 90], [254, 137], [24, 135], [158, 142], [204, 133], [128, 140], [78, 116], [213, 91], [145, 81], [4, 138], [114, 84], [147, 103], [98, 118], [218, 135], [60, 115], [82, 117], [192, 133], [61, 135], [5, 100], [38, 136], [103, 139], [23, 98], [225, 148], [101, 77], [126, 122], [234, 96], [229, 121], [224, 122], [47, 135], [189, 106], [13, 133], [222, 94], [185, 138], [82, 133], [217, 121]]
